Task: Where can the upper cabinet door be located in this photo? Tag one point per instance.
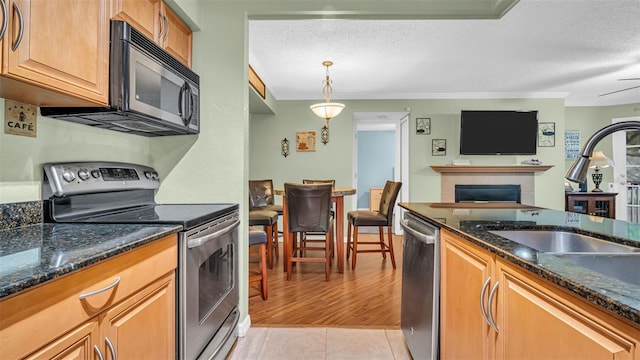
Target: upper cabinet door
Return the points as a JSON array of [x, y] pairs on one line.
[[141, 14], [176, 37], [157, 22], [59, 45]]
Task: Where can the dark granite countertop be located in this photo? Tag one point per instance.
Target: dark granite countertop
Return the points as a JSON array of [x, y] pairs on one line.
[[31, 255], [473, 222]]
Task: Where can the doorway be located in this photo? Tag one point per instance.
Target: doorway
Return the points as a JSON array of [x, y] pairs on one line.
[[626, 172], [373, 133]]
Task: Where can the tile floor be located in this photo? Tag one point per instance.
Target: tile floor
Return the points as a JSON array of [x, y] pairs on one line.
[[263, 343]]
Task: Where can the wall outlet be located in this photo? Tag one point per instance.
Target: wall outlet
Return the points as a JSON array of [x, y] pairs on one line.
[[611, 186]]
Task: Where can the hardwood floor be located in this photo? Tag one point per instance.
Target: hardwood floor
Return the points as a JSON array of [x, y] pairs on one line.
[[366, 297]]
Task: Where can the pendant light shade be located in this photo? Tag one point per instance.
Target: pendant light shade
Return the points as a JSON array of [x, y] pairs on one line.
[[327, 110]]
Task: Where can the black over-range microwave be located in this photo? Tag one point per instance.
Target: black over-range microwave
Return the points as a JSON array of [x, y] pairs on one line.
[[150, 92]]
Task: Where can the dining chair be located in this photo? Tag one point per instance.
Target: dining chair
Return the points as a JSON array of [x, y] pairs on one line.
[[308, 210], [381, 219], [269, 221], [261, 196], [258, 239], [303, 236]]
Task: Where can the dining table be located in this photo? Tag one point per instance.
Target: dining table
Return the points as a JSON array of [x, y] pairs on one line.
[[337, 197]]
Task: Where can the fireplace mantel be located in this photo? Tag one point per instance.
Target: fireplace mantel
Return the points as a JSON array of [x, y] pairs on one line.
[[490, 168]]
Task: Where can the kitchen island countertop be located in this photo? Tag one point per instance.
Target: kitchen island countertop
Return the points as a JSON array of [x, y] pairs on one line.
[[31, 255], [473, 222]]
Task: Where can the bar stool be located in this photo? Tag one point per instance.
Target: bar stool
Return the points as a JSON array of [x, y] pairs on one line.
[[258, 238], [380, 219], [269, 221]]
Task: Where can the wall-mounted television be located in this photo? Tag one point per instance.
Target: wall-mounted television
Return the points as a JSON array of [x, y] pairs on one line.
[[498, 132]]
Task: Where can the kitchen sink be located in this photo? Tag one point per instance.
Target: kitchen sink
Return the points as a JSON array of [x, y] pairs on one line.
[[624, 267], [563, 242]]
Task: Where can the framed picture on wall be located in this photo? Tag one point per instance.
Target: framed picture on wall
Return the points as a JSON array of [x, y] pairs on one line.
[[546, 134], [423, 126], [306, 141], [439, 147]]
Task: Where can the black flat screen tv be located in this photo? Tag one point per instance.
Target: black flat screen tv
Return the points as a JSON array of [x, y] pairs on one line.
[[499, 132]]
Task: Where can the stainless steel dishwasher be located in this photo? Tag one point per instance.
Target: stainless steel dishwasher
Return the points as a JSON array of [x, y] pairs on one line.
[[420, 312]]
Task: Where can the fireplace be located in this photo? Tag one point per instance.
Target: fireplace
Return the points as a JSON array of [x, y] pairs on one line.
[[487, 193]]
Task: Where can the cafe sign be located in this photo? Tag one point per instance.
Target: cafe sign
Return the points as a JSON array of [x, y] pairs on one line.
[[20, 119]]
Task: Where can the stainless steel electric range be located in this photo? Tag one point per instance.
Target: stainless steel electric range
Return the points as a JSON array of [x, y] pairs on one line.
[[207, 274]]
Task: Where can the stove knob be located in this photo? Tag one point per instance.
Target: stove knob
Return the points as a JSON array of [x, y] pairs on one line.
[[147, 174], [155, 175], [68, 176], [83, 174], [95, 173]]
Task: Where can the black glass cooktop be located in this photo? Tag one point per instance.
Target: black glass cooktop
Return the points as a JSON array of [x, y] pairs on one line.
[[187, 215]]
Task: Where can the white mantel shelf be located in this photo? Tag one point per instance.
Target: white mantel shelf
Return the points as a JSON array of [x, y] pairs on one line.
[[490, 168]]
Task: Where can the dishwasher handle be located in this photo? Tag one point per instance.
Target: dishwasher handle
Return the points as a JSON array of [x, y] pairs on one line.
[[425, 238]]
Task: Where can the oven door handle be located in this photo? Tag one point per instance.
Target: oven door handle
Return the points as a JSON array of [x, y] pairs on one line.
[[199, 241]]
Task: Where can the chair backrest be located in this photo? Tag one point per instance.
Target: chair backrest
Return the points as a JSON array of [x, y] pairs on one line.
[[260, 193], [388, 199], [308, 207], [313, 181]]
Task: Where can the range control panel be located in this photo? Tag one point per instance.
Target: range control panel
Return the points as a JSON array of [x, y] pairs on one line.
[[72, 178]]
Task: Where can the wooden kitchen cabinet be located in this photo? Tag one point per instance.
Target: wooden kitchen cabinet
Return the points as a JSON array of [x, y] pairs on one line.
[[158, 22], [592, 203], [533, 318], [538, 320], [464, 334], [136, 315], [56, 53]]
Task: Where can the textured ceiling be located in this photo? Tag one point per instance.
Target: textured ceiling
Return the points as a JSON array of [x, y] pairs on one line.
[[575, 50]]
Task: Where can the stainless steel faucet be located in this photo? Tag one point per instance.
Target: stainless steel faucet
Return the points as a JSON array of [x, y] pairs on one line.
[[578, 171]]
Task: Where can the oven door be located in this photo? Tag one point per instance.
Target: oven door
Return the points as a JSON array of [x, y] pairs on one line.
[[208, 284]]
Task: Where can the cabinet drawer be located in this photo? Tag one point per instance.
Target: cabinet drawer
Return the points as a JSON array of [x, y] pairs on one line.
[[37, 316]]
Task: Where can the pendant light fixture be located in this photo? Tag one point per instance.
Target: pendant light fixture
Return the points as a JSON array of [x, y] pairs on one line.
[[327, 110]]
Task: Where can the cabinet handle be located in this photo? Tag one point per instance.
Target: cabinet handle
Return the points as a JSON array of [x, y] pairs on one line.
[[21, 27], [489, 311], [114, 356], [166, 25], [96, 349], [5, 20], [108, 287], [484, 289], [161, 27]]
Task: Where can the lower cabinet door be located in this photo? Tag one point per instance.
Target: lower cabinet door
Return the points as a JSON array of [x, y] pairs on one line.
[[77, 344], [537, 322], [143, 326], [464, 334]]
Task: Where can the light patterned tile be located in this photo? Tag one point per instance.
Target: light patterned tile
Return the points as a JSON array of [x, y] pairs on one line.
[[397, 344], [356, 344], [250, 346], [295, 344]]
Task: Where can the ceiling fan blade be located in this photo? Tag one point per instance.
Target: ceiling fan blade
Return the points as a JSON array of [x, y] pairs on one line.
[[617, 91], [638, 78]]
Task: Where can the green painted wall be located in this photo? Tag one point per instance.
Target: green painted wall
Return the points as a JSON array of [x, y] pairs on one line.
[[335, 160]]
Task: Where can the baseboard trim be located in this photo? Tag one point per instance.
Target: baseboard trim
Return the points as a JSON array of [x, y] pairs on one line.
[[243, 326]]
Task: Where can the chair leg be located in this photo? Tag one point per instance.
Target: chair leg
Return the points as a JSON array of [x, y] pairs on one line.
[[269, 230], [381, 235], [289, 253], [355, 248], [348, 239], [390, 241], [327, 255], [263, 271], [275, 241]]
